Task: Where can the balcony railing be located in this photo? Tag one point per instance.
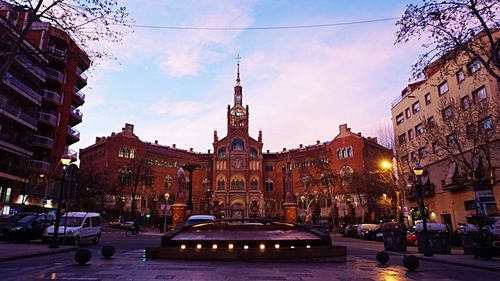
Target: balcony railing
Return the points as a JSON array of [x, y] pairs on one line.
[[79, 94], [55, 74], [53, 96], [20, 87], [57, 52], [70, 153], [81, 74], [73, 132], [43, 141], [25, 61], [76, 112], [38, 165], [16, 112], [47, 118]]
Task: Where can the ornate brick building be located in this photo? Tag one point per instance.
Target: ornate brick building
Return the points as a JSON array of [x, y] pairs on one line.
[[238, 179]]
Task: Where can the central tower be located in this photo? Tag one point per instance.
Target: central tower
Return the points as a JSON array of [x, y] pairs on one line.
[[237, 116]]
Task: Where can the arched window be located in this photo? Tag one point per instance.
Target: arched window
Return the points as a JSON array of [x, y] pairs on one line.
[[237, 184], [253, 153], [269, 185], [237, 145], [221, 153], [339, 153], [124, 176], [254, 184], [349, 151], [121, 152], [221, 184]]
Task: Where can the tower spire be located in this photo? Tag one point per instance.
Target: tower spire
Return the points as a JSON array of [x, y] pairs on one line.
[[238, 72]]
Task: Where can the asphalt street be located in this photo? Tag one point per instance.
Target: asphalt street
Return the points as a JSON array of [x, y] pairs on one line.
[[129, 264]]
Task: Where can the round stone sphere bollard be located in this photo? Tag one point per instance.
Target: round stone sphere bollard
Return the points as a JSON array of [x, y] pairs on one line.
[[82, 256], [382, 257], [411, 262], [108, 251]]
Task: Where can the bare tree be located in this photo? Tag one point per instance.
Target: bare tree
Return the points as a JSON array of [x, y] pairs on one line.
[[85, 21], [451, 28], [95, 184]]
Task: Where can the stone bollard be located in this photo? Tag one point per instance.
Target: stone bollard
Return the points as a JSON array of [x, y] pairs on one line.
[[108, 251], [382, 257], [411, 262], [82, 256]]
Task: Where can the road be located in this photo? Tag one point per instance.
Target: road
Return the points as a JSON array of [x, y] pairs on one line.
[[129, 264]]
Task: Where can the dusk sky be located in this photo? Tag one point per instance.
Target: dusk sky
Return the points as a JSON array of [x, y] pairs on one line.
[[300, 84]]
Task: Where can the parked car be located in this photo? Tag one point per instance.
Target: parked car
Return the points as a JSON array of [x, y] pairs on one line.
[[127, 225], [29, 227], [365, 230], [350, 230], [373, 233], [195, 219], [79, 227], [115, 223], [411, 238], [9, 221]]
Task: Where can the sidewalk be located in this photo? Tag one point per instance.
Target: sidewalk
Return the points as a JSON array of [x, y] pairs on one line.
[[456, 257], [12, 251]]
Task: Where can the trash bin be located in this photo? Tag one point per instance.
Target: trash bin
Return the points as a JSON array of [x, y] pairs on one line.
[[469, 234], [394, 236], [439, 237]]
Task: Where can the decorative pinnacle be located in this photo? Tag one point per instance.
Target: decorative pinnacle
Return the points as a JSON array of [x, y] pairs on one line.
[[238, 58]]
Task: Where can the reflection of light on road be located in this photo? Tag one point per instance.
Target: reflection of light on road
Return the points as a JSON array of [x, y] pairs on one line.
[[53, 276], [388, 275]]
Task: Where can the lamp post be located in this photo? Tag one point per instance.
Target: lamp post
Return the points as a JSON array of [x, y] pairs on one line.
[[419, 171], [165, 213], [46, 183], [387, 167], [55, 240]]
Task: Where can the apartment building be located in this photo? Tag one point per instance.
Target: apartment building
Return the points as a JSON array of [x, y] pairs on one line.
[[447, 124], [40, 98], [239, 179]]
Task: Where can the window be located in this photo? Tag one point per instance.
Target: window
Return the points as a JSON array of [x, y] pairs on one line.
[[474, 66], [121, 152], [221, 153], [465, 102], [237, 145], [410, 134], [253, 153], [447, 113], [237, 184], [8, 195], [399, 119], [402, 139], [413, 156], [422, 152], [96, 221], [404, 159], [451, 139], [443, 88], [419, 129], [435, 147], [416, 107], [470, 131], [486, 124], [254, 184], [430, 122], [407, 113], [268, 168], [460, 76], [269, 185], [427, 98], [349, 152], [479, 94], [86, 223]]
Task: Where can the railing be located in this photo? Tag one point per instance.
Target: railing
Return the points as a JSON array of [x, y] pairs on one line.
[[56, 74], [79, 93], [81, 74], [73, 132], [52, 96], [39, 165], [17, 141], [25, 61], [49, 118], [21, 87], [77, 112], [45, 141], [70, 153], [58, 52], [5, 106]]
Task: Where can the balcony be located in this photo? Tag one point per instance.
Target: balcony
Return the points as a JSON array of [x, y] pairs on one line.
[[74, 134], [15, 145], [21, 88], [28, 64], [76, 113], [81, 75], [78, 95], [16, 114], [57, 53], [47, 118], [52, 97], [39, 166], [70, 153], [56, 75], [42, 141], [454, 186]]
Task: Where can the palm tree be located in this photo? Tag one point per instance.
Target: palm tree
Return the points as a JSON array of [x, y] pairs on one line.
[[190, 167]]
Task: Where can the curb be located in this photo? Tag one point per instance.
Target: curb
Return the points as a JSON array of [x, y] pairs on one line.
[[68, 249], [421, 257]]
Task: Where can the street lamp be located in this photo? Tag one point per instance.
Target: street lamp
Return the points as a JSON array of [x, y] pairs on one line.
[[419, 171], [55, 240], [165, 213], [44, 200]]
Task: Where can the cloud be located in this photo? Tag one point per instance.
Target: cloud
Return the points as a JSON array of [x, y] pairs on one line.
[[179, 109]]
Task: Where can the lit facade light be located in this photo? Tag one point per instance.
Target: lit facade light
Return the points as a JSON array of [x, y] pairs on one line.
[[277, 246], [262, 246], [385, 164], [230, 246], [183, 247], [245, 247], [308, 246], [292, 247], [198, 246], [214, 246]]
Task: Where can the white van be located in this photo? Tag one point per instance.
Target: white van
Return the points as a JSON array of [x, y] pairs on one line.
[[79, 226]]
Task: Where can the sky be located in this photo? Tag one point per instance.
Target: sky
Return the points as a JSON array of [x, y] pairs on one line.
[[300, 84]]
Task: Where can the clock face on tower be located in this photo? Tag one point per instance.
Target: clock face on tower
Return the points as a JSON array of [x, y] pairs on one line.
[[238, 98]]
